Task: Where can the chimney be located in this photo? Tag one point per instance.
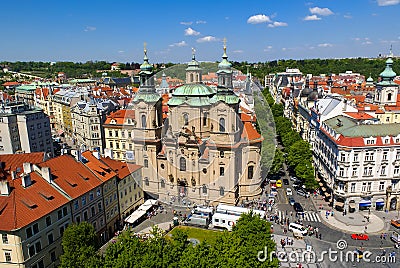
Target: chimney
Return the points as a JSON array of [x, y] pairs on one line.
[[96, 154], [4, 187], [26, 180], [27, 168], [46, 174]]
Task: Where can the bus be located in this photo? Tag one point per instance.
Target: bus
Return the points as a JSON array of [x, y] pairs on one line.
[[225, 221], [234, 210]]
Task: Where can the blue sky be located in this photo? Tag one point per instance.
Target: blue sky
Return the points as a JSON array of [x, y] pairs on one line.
[[256, 30]]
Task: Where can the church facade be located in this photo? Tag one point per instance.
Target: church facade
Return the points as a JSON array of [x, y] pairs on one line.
[[205, 151]]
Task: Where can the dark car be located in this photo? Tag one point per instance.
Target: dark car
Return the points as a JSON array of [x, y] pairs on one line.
[[298, 208], [285, 181]]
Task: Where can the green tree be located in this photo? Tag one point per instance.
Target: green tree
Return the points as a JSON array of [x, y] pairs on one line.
[[79, 244], [299, 152], [305, 171], [277, 163]]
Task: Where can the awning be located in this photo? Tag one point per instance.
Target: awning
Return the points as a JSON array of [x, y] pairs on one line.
[[380, 202], [141, 211], [321, 184], [339, 204], [364, 203]]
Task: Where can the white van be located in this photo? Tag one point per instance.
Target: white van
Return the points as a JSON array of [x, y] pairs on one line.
[[294, 227]]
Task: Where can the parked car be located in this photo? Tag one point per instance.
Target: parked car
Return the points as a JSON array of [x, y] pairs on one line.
[[298, 208], [279, 183], [302, 192], [360, 237], [291, 201], [274, 191], [285, 181], [395, 223], [289, 192]]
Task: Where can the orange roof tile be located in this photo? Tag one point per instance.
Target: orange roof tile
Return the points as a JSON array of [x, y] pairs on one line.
[[14, 161], [122, 169], [98, 167], [119, 116], [359, 115], [75, 183], [250, 133]]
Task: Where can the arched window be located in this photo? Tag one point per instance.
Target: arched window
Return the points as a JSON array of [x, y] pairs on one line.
[[146, 163], [182, 164], [221, 191], [205, 119], [191, 78], [204, 189], [250, 171], [185, 119], [162, 183], [222, 124], [146, 181], [389, 98], [144, 121]]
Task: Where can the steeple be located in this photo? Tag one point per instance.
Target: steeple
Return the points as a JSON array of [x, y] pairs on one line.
[[193, 71], [225, 71], [147, 91], [386, 90], [388, 74]]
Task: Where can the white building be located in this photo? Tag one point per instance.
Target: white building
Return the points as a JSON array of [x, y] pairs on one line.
[[359, 163], [24, 129]]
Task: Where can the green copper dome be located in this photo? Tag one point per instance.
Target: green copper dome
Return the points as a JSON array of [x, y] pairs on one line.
[[193, 90], [388, 74], [370, 79], [146, 66]]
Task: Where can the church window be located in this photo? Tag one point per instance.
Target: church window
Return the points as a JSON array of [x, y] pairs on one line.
[[221, 171], [222, 124], [182, 164], [162, 183], [185, 119], [146, 181], [146, 163], [143, 121], [389, 97], [204, 189], [221, 191], [191, 78], [250, 171], [205, 119]]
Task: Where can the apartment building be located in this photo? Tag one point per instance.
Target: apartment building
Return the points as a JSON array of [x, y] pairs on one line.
[[24, 129], [87, 122], [359, 163], [33, 215]]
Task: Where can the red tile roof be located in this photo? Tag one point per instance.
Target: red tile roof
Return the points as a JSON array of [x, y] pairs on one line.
[[122, 169], [14, 161], [75, 183], [98, 167], [359, 115], [250, 133], [119, 116]]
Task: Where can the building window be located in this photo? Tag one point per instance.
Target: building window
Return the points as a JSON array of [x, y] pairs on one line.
[[110, 133], [384, 156], [221, 171], [222, 124], [204, 189], [144, 121], [354, 172], [162, 183], [85, 216], [250, 172], [50, 238], [48, 221], [221, 154], [100, 207], [7, 256], [53, 256], [146, 163], [396, 170], [146, 181], [367, 171], [76, 205], [221, 191], [182, 164], [4, 238], [364, 187], [353, 187], [341, 172], [185, 119], [383, 170], [83, 200], [369, 156], [343, 157], [381, 186]]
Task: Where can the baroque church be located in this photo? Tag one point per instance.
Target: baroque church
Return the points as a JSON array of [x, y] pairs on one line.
[[207, 150]]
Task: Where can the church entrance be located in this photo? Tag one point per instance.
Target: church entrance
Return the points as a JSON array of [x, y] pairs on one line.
[[182, 188]]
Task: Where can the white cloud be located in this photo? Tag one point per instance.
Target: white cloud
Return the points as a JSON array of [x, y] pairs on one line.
[[325, 45], [388, 2], [201, 22], [121, 51], [321, 11], [179, 44], [90, 29], [277, 24], [186, 22], [366, 43], [208, 38], [237, 51], [190, 31], [268, 49], [312, 17], [260, 18], [284, 49], [347, 16]]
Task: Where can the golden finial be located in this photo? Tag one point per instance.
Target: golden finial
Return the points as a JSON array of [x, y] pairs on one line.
[[225, 44]]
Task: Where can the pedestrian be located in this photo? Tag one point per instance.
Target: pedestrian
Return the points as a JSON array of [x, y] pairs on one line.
[[320, 236], [381, 235], [384, 236]]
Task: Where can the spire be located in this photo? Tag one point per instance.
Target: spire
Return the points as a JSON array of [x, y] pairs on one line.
[[388, 74], [224, 64], [145, 67], [193, 54]]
